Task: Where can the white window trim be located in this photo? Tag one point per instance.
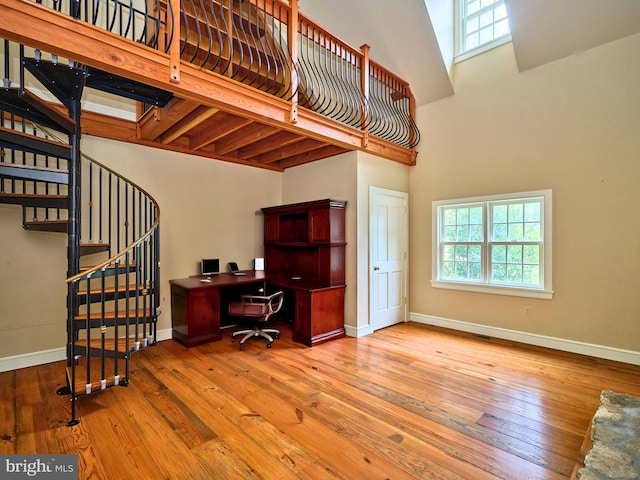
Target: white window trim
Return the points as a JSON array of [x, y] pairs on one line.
[[545, 293], [460, 56], [482, 48]]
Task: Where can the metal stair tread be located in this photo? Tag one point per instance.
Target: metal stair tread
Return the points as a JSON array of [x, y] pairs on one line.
[[30, 143], [121, 289], [59, 226], [110, 315], [34, 200], [32, 172], [92, 248], [120, 349]]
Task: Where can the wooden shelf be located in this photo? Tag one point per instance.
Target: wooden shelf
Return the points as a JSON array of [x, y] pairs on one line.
[[305, 254]]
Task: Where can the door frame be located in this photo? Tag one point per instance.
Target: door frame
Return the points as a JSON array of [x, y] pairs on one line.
[[376, 191]]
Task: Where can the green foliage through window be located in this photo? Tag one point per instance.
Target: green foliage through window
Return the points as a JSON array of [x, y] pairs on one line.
[[494, 242]]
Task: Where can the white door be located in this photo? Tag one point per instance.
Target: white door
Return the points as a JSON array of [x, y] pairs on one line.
[[388, 234]]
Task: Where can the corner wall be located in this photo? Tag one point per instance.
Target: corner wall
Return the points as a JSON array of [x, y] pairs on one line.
[[372, 172], [333, 177], [571, 125]]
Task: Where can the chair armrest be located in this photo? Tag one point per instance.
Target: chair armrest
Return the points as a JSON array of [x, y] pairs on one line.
[[254, 298]]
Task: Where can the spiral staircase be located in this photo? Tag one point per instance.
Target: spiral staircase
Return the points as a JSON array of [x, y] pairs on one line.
[[112, 224]]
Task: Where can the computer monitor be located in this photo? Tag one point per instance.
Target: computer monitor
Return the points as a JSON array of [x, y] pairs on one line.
[[210, 266]]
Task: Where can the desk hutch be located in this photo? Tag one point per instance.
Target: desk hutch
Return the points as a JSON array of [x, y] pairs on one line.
[[304, 248]]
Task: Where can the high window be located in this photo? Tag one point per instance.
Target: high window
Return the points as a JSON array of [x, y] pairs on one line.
[[481, 25], [498, 244]]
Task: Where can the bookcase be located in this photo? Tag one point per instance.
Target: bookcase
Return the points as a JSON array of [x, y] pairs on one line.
[[306, 240], [304, 247]]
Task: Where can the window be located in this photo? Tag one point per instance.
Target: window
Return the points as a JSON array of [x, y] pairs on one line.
[[499, 244], [482, 25]]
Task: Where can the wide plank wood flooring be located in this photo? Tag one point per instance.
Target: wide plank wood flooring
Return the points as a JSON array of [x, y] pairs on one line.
[[407, 402]]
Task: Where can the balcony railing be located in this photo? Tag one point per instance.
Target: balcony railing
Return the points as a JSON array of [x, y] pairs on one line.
[[269, 46]]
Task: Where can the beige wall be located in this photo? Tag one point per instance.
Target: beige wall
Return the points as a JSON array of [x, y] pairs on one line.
[[208, 209], [331, 178], [33, 267], [571, 126], [348, 177], [372, 172]]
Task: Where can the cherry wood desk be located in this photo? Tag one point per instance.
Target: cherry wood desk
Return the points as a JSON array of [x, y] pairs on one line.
[[197, 308], [195, 305]]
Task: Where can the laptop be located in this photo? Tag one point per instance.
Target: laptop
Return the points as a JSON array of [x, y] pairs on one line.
[[234, 270]]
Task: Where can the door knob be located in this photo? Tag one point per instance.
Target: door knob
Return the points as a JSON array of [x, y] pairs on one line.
[[376, 268]]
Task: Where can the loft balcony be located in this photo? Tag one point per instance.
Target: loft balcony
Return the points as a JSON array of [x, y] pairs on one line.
[[246, 81]]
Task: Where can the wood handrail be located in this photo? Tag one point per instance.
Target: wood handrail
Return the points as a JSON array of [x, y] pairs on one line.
[[133, 244]]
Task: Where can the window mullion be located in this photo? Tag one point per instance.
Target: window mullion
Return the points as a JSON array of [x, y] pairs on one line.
[[486, 264]]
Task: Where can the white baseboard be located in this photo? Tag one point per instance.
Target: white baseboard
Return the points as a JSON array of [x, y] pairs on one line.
[[49, 356], [357, 332], [599, 351], [164, 334]]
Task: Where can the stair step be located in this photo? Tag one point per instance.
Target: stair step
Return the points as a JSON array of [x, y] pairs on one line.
[[26, 142], [110, 270], [95, 295], [31, 107], [59, 226], [110, 319], [34, 200], [122, 346], [95, 377], [91, 248], [31, 172], [124, 87], [64, 81]]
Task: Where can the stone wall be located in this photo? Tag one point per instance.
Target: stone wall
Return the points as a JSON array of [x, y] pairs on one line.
[[615, 436]]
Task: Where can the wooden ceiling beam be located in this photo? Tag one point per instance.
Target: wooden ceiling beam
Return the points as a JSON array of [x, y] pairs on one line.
[[157, 120], [241, 138], [227, 125], [187, 123], [276, 141], [294, 149], [312, 156]]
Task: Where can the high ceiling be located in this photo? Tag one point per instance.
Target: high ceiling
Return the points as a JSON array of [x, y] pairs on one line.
[[402, 33]]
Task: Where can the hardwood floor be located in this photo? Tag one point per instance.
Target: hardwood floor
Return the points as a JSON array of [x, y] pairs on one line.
[[408, 402]]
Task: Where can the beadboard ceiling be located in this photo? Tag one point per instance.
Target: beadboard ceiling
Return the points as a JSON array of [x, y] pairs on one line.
[[403, 37]]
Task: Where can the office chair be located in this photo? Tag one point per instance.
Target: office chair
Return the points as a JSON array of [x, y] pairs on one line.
[[260, 309]]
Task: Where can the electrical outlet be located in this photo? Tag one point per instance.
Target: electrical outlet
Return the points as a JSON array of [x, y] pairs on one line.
[[528, 312]]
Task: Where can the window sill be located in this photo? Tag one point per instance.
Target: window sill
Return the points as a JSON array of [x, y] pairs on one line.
[[482, 49], [495, 290]]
